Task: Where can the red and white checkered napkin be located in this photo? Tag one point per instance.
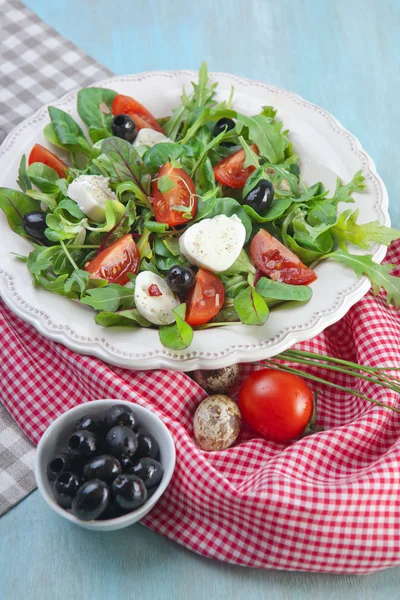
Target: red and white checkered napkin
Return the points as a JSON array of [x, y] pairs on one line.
[[330, 502]]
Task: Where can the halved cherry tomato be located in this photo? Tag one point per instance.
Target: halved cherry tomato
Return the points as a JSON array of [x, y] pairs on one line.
[[116, 261], [276, 261], [276, 404], [125, 105], [182, 194], [230, 171], [205, 300], [42, 155]]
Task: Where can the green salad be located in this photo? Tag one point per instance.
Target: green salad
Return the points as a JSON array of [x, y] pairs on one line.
[[199, 219]]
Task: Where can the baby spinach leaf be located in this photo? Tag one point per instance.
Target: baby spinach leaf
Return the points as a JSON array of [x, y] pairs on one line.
[[233, 284], [267, 288], [44, 178], [179, 335], [71, 207], [251, 307], [378, 274], [15, 205], [68, 132], [347, 230], [110, 297], [51, 136], [122, 318], [127, 163], [50, 200], [94, 108], [276, 209], [23, 178], [269, 142]]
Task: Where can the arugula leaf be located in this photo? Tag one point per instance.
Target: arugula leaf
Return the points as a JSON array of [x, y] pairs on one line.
[[127, 163], [94, 108], [347, 230], [15, 205], [251, 307], [275, 210], [68, 132], [258, 175], [378, 274], [123, 318], [41, 258], [56, 285], [110, 297], [242, 264], [77, 282], [268, 288], [308, 256], [165, 184], [314, 192], [179, 335], [322, 212], [205, 178], [44, 178], [269, 142], [23, 178], [251, 160], [343, 192], [155, 227]]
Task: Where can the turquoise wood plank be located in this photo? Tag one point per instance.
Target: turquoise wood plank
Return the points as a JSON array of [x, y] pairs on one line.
[[44, 557], [342, 55]]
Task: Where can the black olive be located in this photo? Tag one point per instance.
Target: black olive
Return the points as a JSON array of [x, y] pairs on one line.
[[83, 443], [119, 414], [180, 279], [103, 467], [121, 441], [260, 197], [65, 488], [124, 127], [126, 463], [34, 224], [149, 470], [129, 492], [60, 463], [223, 125], [147, 445], [93, 424], [91, 500]]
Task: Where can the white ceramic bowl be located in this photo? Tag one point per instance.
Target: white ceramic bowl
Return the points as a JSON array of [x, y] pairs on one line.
[[55, 440]]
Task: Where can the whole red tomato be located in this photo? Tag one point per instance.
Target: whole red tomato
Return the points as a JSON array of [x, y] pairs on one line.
[[276, 404]]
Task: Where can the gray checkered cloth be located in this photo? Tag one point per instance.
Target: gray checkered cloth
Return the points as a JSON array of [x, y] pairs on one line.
[[37, 66]]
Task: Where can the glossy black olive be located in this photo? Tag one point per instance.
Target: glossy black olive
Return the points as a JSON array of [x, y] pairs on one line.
[[83, 443], [223, 125], [180, 279], [129, 492], [91, 500], [65, 488], [119, 414], [124, 127], [147, 445], [260, 197], [34, 224], [103, 467], [121, 441], [149, 471], [93, 424], [59, 464], [126, 463]]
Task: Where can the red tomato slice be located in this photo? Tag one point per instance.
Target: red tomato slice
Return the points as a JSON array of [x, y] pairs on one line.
[[182, 194], [276, 404], [116, 261], [125, 105], [276, 261], [230, 171], [40, 154], [205, 299]]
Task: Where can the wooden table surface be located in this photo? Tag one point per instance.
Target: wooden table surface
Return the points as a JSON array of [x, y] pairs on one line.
[[341, 54]]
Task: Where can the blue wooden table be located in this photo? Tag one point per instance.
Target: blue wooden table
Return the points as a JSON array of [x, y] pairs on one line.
[[339, 54]]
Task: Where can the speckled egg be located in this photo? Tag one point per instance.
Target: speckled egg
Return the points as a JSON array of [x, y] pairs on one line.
[[216, 423], [218, 381]]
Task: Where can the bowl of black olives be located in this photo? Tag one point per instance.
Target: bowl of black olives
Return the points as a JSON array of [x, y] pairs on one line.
[[104, 464]]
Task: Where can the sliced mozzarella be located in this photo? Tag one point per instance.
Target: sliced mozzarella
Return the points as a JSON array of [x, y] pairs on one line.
[[214, 244], [149, 137], [90, 192], [154, 299]]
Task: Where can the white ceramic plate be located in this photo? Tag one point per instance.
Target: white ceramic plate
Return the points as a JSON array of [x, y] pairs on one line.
[[326, 150]]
